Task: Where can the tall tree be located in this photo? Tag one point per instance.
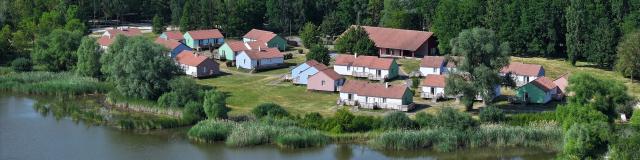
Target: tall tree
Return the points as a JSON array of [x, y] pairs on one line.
[[310, 35], [138, 67], [88, 58], [158, 24], [400, 14], [319, 53], [356, 41], [629, 56], [452, 16], [57, 51], [479, 59], [576, 17], [6, 51]]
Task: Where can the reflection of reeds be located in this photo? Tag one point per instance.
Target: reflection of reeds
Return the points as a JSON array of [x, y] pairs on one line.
[[51, 83]]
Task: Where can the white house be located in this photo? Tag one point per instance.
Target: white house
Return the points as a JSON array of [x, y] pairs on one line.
[[376, 95], [370, 67], [262, 58], [432, 65], [523, 73], [432, 87], [197, 65]]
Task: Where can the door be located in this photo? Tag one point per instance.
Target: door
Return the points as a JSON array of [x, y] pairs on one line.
[[378, 72], [350, 96]]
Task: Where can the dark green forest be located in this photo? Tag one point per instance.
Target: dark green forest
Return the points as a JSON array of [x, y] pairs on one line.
[[585, 30]]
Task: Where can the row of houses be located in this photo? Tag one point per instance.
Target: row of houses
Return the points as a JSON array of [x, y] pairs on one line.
[[533, 86], [258, 49]]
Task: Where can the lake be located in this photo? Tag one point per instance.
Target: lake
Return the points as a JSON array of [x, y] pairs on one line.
[[27, 134]]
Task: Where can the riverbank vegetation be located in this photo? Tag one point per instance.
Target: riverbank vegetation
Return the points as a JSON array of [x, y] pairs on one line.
[[51, 83]]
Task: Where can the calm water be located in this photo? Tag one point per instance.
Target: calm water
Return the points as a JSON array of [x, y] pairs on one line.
[[27, 134]]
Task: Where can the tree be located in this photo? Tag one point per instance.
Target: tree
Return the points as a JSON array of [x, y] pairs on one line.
[[188, 21], [6, 50], [453, 16], [480, 57], [21, 65], [310, 35], [158, 24], [628, 63], [57, 51], [215, 105], [425, 120], [605, 95], [88, 58], [138, 67], [397, 120], [183, 90], [492, 114], [269, 109], [586, 141], [75, 25], [356, 41], [193, 112], [320, 54], [449, 118], [398, 14]]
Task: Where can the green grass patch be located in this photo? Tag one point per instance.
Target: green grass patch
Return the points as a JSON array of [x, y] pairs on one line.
[[409, 65], [51, 83]]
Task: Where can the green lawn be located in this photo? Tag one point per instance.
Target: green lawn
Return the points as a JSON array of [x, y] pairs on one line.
[[409, 65]]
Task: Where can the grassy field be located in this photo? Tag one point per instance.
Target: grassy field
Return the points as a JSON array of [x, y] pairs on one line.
[[248, 90]]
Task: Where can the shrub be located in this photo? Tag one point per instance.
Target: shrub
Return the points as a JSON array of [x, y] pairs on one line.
[[301, 138], [193, 112], [492, 114], [21, 65], [215, 105], [586, 140], [252, 133], [363, 124], [449, 118], [312, 120], [229, 63], [210, 130], [288, 56], [169, 99], [635, 119], [300, 51], [397, 120], [424, 120], [269, 109]]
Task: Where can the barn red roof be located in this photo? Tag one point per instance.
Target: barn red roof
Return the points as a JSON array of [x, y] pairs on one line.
[[264, 53], [432, 61], [364, 88], [364, 61], [190, 59], [174, 35], [544, 83], [260, 35], [236, 45], [319, 66], [169, 44], [403, 39], [522, 69], [331, 74], [205, 34], [434, 80]]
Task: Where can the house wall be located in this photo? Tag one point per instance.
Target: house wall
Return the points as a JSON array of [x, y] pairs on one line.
[[226, 52], [437, 90], [343, 70], [315, 83], [279, 42], [345, 96], [535, 94], [424, 71], [243, 61], [302, 73], [193, 43], [270, 62]]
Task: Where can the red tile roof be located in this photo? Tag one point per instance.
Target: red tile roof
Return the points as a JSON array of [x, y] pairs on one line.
[[260, 35], [518, 68], [190, 59], [205, 34], [364, 88], [434, 80], [397, 38], [562, 82], [319, 66], [544, 83], [364, 61], [124, 31], [236, 45], [169, 44], [265, 53], [432, 61], [174, 35], [107, 40], [353, 86], [255, 45], [331, 74]]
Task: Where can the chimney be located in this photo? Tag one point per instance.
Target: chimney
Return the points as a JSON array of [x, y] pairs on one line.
[[386, 84], [355, 55], [259, 48]]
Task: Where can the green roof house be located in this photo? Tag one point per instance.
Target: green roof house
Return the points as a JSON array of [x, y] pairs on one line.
[[268, 38], [540, 91]]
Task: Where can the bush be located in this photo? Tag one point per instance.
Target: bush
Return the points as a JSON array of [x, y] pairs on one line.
[[269, 109], [312, 120], [193, 112], [300, 51], [492, 114], [397, 120], [449, 118], [363, 124], [169, 99], [215, 105], [635, 119], [301, 138], [210, 130], [229, 63], [424, 120], [288, 56], [21, 65], [586, 140]]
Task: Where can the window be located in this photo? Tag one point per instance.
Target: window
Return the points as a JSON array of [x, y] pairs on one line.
[[384, 100], [434, 70], [323, 82], [433, 90], [348, 68]]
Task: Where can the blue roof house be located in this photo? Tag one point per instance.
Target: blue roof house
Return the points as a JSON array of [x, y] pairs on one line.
[[301, 73]]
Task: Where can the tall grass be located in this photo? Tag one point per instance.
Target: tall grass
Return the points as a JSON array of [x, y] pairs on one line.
[[542, 135], [525, 119], [51, 83], [211, 130], [257, 133]]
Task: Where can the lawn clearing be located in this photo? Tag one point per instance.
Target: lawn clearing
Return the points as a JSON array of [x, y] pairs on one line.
[[409, 65]]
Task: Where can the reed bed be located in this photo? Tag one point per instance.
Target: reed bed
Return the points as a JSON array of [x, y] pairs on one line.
[[211, 130], [258, 133], [49, 83], [539, 135]]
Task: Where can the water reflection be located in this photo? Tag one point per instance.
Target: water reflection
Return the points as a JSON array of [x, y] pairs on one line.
[[27, 133]]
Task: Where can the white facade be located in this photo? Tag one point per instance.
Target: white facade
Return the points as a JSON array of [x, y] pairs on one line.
[[432, 91], [360, 71], [365, 99], [343, 70], [424, 71], [189, 70]]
